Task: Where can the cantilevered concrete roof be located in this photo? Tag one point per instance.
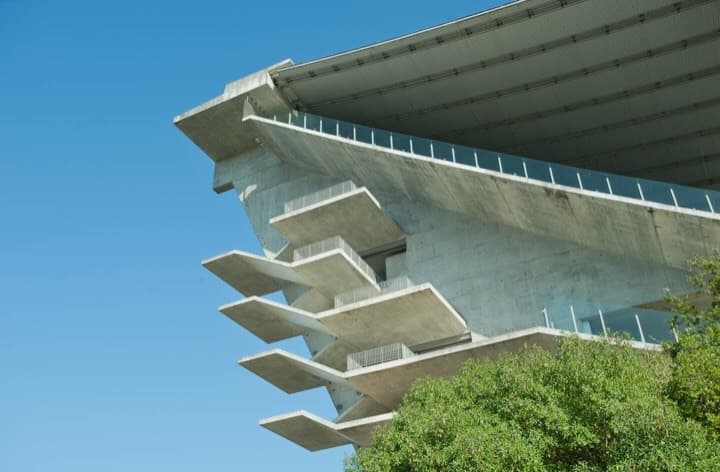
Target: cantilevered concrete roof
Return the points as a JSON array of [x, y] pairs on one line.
[[314, 433], [627, 226], [628, 87], [356, 216]]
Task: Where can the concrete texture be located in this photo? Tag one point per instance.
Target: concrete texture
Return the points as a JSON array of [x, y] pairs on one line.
[[289, 372], [412, 316], [628, 227], [216, 126], [250, 274], [271, 321], [314, 433], [332, 273], [355, 216]]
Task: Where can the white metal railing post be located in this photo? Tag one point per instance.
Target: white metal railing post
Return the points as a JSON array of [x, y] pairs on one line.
[[572, 314], [452, 151], [672, 192], [579, 180], [525, 169], [607, 179], [305, 121], [709, 202], [675, 333], [391, 141], [642, 195], [500, 164], [321, 125], [642, 335], [337, 128], [602, 322], [412, 150], [354, 133], [547, 318], [432, 150], [372, 136], [552, 175], [289, 117], [478, 165]]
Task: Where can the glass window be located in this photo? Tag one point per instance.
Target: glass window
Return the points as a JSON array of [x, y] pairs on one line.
[[658, 192], [512, 165], [346, 130], [594, 181], [565, 175], [465, 155], [421, 146], [442, 151], [538, 170], [624, 186], [488, 160], [401, 142], [692, 198]]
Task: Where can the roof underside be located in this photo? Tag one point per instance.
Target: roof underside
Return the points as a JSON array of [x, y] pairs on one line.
[[625, 86]]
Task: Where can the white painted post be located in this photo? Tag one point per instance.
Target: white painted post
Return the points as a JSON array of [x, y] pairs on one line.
[[432, 150], [372, 136], [642, 335], [478, 165], [412, 151], [337, 128], [305, 121], [321, 125], [572, 314], [547, 319], [289, 117], [452, 151], [500, 163], [579, 180], [642, 195], [552, 176], [391, 141], [672, 192], [354, 133], [707, 197], [602, 322], [525, 169], [607, 179]]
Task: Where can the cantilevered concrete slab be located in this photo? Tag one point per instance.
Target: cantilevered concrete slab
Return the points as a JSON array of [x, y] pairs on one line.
[[356, 216], [271, 321], [626, 226], [289, 372], [412, 316], [387, 383], [314, 433], [332, 273], [215, 126], [252, 275]]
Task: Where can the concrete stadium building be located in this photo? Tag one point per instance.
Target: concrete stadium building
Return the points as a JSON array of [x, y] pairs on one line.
[[543, 168]]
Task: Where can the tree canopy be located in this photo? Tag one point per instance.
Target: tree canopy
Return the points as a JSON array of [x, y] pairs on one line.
[[587, 406]]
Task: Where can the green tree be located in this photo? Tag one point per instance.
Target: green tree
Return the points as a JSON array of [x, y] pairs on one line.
[[590, 406], [695, 384]]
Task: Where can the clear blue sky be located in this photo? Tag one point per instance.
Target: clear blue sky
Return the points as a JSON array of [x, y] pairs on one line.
[[113, 356]]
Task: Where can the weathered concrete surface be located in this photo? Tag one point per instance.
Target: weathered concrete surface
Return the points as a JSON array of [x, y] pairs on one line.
[[387, 383], [332, 273], [315, 433], [312, 301], [362, 408], [289, 372], [216, 126], [271, 321], [355, 216], [416, 315], [250, 274], [628, 227]]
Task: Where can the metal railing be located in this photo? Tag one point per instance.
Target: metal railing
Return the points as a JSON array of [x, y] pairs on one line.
[[378, 355], [678, 196], [364, 293], [644, 325], [330, 244], [320, 195]]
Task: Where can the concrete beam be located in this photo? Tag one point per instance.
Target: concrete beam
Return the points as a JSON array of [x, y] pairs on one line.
[[289, 372], [314, 433], [250, 274], [271, 321], [356, 216]]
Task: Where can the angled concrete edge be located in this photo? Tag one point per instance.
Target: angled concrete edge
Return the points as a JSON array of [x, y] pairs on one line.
[[289, 372], [315, 433], [271, 321]]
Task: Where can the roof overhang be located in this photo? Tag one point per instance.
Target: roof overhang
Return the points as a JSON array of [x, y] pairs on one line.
[[629, 89]]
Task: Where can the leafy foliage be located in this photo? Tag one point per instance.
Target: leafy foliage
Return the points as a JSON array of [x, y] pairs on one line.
[[695, 384]]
